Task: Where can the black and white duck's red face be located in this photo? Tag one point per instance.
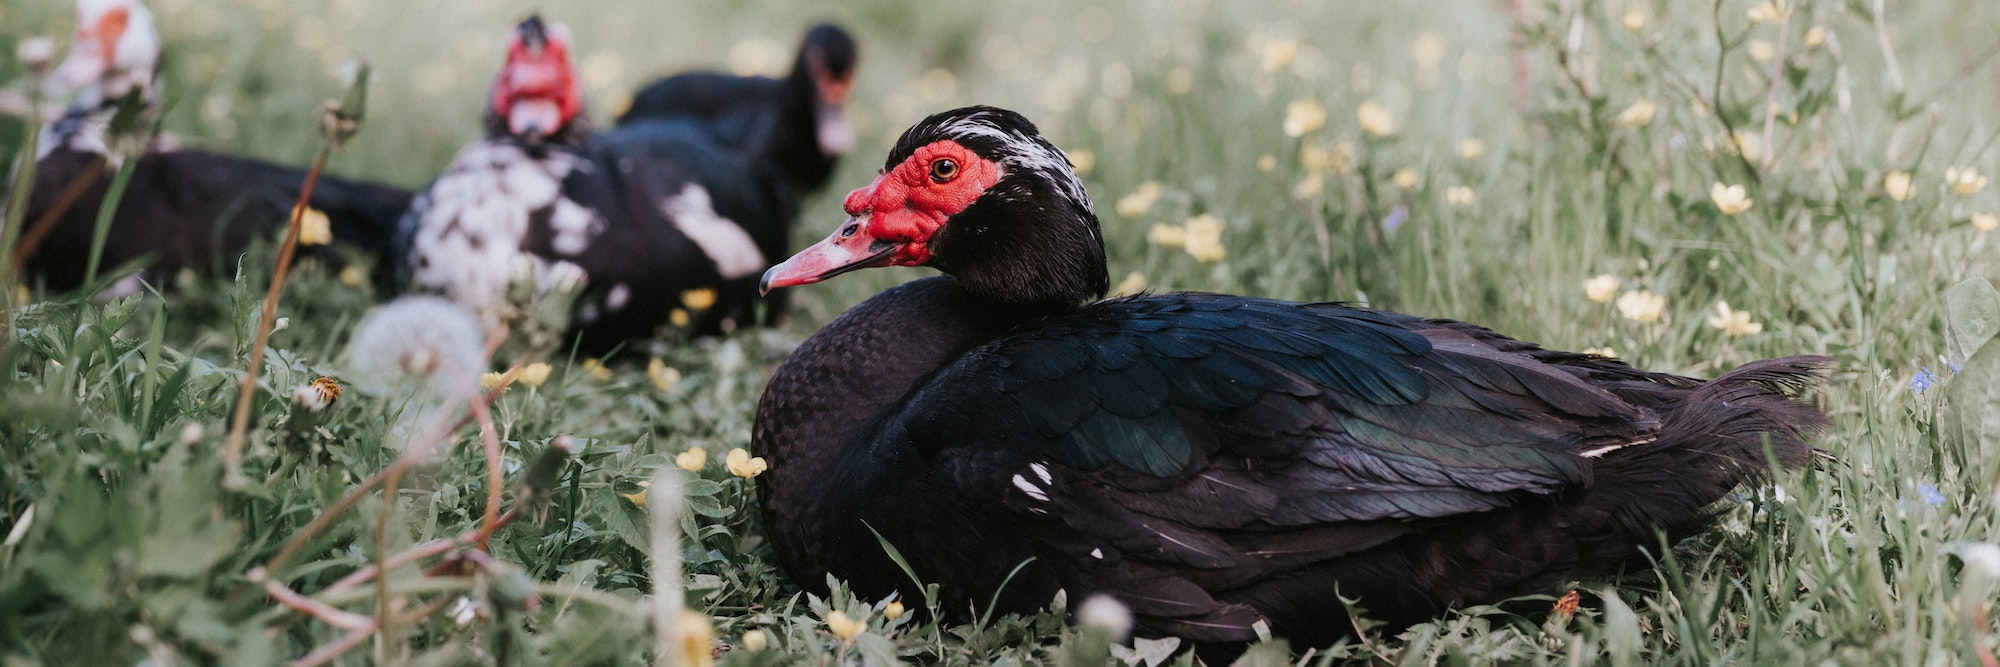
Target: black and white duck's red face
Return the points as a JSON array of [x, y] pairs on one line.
[[116, 46], [977, 193], [537, 94]]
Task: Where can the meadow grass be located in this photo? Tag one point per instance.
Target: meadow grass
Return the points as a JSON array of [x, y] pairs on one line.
[[1450, 196]]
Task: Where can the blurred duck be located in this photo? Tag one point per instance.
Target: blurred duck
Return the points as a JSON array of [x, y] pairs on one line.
[[182, 208], [652, 219], [799, 123]]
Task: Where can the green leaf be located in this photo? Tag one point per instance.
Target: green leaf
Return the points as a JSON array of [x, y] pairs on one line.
[[1972, 309]]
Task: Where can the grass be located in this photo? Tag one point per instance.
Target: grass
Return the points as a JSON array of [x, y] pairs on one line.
[[120, 545]]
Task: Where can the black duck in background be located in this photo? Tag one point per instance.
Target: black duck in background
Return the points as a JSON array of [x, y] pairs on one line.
[[798, 123], [182, 208]]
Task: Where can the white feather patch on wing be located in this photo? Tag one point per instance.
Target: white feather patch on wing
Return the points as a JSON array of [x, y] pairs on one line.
[[735, 255]]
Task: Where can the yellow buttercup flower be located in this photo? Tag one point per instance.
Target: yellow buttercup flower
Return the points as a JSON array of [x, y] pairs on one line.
[[1964, 180], [1460, 196], [1167, 235], [692, 460], [1277, 53], [314, 228], [1472, 149], [1766, 12], [1748, 145], [893, 610], [679, 317], [1132, 284], [353, 276], [1204, 238], [1635, 20], [1899, 185], [665, 378], [1308, 186], [1730, 199], [496, 380], [1733, 322], [1762, 51], [1082, 160], [1815, 36], [844, 627], [1375, 118], [697, 638], [638, 497], [596, 370], [1313, 157], [1985, 222], [1601, 288], [1642, 306], [534, 374], [1405, 178], [1640, 114], [1267, 163], [1303, 115], [1140, 200], [742, 464], [700, 298]]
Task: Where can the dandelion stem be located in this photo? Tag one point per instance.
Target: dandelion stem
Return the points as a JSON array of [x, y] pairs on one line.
[[384, 617], [664, 497], [32, 238], [232, 452]]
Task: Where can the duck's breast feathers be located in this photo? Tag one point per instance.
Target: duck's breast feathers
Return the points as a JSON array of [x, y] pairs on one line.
[[1229, 411]]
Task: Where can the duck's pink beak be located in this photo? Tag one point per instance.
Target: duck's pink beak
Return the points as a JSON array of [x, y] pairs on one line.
[[849, 248]]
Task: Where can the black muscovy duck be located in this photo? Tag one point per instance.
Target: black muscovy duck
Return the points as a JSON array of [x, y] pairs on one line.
[[642, 216], [1212, 461], [182, 208], [798, 123]]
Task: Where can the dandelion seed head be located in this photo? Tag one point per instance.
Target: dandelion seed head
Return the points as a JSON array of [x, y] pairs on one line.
[[418, 343], [1105, 614]]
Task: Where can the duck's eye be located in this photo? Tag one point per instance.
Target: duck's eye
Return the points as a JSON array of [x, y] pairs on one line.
[[944, 170]]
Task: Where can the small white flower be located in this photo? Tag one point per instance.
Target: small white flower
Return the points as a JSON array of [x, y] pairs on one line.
[[464, 610]]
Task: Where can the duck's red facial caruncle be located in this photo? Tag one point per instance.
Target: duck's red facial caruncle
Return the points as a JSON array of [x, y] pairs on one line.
[[538, 93], [892, 221]]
